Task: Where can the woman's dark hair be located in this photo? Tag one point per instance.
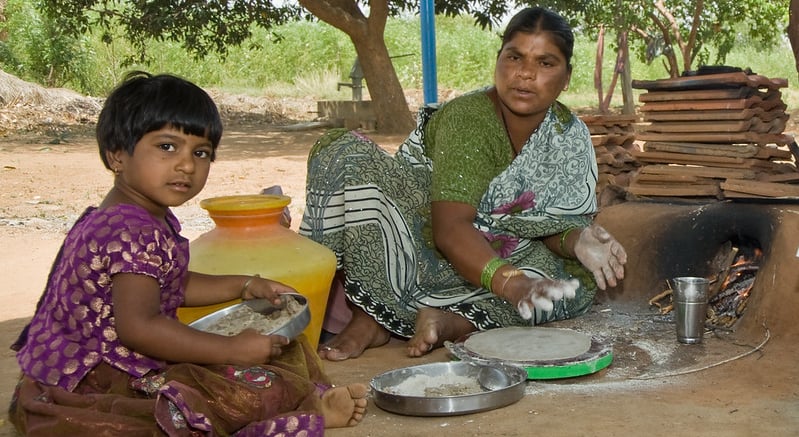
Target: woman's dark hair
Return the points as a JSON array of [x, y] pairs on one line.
[[533, 20], [144, 103]]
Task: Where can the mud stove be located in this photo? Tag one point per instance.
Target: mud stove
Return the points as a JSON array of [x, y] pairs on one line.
[[747, 249]]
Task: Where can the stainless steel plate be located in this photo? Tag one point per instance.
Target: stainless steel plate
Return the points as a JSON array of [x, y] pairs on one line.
[[503, 386], [290, 329]]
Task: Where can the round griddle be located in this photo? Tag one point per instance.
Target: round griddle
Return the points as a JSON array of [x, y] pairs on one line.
[[598, 356]]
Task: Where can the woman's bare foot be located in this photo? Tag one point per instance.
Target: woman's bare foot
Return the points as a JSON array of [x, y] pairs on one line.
[[433, 328], [344, 406], [361, 333]]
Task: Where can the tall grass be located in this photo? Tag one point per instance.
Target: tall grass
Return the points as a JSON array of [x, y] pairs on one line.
[[306, 59]]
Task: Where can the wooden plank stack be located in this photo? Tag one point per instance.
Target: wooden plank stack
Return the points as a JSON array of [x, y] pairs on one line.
[[715, 135], [613, 137]]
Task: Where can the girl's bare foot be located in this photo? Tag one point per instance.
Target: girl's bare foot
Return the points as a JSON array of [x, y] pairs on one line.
[[344, 406], [433, 328], [361, 333]]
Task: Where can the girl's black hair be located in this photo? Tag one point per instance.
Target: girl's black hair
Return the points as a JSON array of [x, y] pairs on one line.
[[144, 103], [533, 20]]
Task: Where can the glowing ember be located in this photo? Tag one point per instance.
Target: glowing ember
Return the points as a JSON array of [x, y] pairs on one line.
[[729, 292], [727, 306]]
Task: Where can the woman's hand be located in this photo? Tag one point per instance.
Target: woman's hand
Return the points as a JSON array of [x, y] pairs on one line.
[[249, 347], [528, 293], [601, 254], [257, 287]]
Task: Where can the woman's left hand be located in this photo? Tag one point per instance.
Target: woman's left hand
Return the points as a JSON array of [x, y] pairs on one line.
[[602, 254]]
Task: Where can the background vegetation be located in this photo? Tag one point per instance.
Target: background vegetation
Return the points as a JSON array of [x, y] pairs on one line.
[[309, 59]]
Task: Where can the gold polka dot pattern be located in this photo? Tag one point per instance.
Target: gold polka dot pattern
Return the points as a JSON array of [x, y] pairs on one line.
[[73, 329]]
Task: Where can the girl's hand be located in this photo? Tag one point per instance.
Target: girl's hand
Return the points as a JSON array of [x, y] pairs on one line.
[[250, 348], [601, 254], [257, 287], [529, 293]]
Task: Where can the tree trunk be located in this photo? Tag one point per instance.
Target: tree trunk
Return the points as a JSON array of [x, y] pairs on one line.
[[3, 33], [793, 31], [622, 42], [688, 46], [626, 76], [367, 35], [388, 99], [598, 68]]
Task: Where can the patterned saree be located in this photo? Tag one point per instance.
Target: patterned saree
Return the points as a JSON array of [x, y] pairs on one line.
[[373, 210], [278, 399]]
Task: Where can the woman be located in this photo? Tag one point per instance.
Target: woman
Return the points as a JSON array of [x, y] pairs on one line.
[[483, 219]]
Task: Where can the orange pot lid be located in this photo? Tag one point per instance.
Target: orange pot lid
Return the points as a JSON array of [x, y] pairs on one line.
[[246, 202]]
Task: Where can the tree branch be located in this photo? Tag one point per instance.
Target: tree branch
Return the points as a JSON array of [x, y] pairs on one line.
[[671, 58], [675, 29], [688, 52], [344, 15]]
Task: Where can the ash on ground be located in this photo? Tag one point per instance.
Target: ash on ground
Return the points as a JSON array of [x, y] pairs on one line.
[[646, 352]]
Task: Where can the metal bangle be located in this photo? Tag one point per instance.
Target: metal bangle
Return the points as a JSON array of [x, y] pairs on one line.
[[247, 284], [508, 274]]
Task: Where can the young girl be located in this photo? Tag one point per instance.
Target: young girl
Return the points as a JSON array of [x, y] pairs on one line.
[[105, 354]]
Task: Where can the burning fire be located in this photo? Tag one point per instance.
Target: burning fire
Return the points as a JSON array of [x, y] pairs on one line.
[[728, 304], [729, 292]]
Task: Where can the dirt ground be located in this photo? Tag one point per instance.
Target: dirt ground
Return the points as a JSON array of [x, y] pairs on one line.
[[50, 174]]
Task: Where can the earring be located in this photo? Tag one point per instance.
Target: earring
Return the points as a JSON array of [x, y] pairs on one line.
[[116, 170], [566, 88]]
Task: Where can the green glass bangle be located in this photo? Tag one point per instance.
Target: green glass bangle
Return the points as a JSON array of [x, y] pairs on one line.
[[563, 236], [489, 270]]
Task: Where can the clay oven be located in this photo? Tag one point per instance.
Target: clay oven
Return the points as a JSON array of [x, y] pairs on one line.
[[665, 240]]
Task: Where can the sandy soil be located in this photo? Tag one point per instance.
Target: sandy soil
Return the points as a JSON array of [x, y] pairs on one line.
[[50, 174]]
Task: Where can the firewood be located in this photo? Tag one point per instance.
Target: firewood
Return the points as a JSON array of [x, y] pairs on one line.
[[715, 287], [655, 301], [605, 158], [705, 172], [709, 81], [701, 126], [716, 137], [648, 178], [704, 105], [720, 115], [737, 150], [784, 177], [709, 94], [770, 152], [674, 190], [684, 158], [768, 189]]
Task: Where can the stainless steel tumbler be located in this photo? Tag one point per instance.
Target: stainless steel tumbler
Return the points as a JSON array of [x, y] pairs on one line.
[[690, 305]]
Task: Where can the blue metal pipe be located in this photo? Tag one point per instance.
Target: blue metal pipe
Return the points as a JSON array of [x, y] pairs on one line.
[[428, 24]]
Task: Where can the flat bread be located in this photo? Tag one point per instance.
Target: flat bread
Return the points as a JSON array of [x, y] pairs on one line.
[[528, 344]]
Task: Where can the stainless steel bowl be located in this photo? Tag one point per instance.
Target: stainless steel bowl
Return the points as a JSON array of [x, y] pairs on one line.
[[291, 329], [503, 386]]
